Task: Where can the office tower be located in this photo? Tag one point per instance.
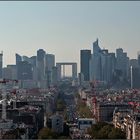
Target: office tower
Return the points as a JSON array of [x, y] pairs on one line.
[[33, 61], [1, 63], [95, 63], [112, 66], [96, 48], [85, 56], [6, 73], [139, 58], [18, 58], [134, 63], [50, 61], [41, 64], [122, 62], [136, 77], [105, 66], [102, 64], [24, 71], [135, 67], [25, 58], [9, 72], [13, 70], [80, 79], [54, 75]]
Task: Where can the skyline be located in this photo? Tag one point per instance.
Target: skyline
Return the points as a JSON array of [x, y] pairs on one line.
[[64, 28]]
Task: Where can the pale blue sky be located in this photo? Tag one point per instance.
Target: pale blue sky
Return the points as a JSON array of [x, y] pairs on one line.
[[63, 28]]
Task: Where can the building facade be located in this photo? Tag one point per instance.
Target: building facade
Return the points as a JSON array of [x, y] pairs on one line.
[[1, 64], [85, 56]]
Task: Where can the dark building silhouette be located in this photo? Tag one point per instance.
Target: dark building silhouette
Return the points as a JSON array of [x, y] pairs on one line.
[[41, 56], [54, 75], [1, 63], [24, 71], [136, 77], [85, 56], [139, 58]]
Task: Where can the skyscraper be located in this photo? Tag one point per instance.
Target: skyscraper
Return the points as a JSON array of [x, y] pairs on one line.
[[18, 58], [13, 69], [24, 71], [50, 61], [54, 76], [122, 62], [26, 58], [102, 64], [33, 61], [41, 64], [85, 56], [95, 63], [139, 58], [1, 63]]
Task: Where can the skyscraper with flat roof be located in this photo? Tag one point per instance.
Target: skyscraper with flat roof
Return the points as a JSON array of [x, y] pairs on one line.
[[41, 64], [122, 62], [85, 56], [50, 61]]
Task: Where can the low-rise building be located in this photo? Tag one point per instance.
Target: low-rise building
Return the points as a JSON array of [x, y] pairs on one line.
[[84, 123], [56, 122]]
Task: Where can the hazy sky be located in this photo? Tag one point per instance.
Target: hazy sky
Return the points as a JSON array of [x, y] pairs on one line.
[[63, 28]]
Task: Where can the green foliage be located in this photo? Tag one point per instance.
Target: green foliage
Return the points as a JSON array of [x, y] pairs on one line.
[[102, 130], [60, 103], [116, 134], [47, 133], [83, 110]]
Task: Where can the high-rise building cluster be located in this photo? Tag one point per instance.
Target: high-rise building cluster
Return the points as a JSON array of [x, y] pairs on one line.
[[36, 71], [109, 68]]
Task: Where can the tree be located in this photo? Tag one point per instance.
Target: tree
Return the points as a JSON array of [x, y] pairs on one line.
[[45, 133], [83, 110], [116, 134], [94, 130], [103, 130]]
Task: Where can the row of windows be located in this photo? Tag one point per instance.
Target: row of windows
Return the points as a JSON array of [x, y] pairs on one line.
[[85, 122]]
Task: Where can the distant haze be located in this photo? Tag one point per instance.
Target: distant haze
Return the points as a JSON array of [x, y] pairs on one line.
[[64, 28]]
